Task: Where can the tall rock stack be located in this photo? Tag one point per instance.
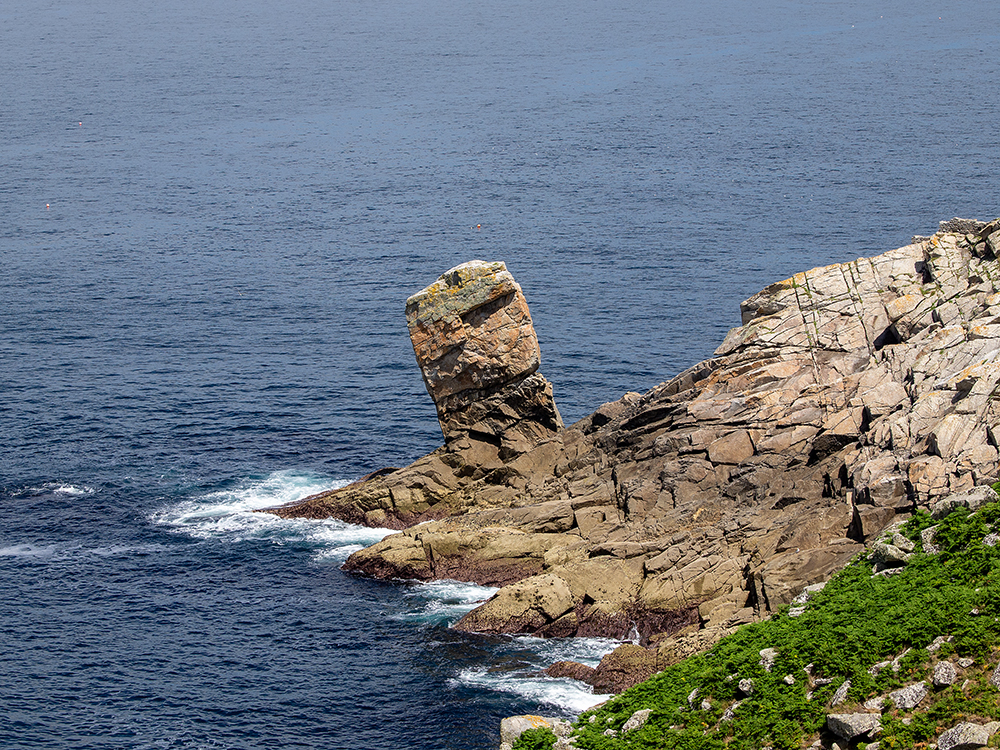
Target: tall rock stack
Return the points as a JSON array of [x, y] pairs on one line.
[[478, 353]]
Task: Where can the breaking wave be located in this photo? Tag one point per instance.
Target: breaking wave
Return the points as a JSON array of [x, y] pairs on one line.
[[518, 672], [229, 515], [561, 693], [443, 602]]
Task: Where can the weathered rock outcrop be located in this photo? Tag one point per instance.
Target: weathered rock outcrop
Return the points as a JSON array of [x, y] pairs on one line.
[[850, 394], [513, 727], [797, 671], [849, 726], [967, 736], [478, 352]]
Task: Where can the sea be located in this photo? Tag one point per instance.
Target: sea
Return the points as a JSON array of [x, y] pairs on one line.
[[211, 215]]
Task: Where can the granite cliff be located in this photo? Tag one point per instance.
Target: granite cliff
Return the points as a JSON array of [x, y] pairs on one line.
[[851, 395]]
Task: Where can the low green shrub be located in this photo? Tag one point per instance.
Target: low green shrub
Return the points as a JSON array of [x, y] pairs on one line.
[[539, 738], [857, 620]]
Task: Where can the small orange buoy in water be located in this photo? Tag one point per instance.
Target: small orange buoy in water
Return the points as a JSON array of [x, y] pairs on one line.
[[479, 226], [46, 206]]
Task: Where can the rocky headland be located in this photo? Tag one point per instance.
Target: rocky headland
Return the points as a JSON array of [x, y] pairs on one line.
[[851, 396]]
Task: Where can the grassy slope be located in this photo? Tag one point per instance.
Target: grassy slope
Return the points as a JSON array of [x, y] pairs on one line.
[[856, 621]]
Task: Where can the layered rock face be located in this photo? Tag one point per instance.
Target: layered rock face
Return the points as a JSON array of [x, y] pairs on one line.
[[478, 353], [850, 395]]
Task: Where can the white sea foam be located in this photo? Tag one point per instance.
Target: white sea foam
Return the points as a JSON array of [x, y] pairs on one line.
[[278, 488], [443, 602], [564, 693], [337, 540], [521, 673], [63, 552], [587, 651], [229, 515], [58, 488], [27, 550], [71, 489]]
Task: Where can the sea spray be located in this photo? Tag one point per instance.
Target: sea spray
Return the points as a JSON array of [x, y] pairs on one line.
[[562, 694], [443, 602], [515, 662], [229, 515]]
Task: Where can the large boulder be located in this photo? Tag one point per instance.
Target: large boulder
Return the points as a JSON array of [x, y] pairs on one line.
[[512, 727], [965, 736], [624, 667], [478, 353], [572, 669], [489, 556], [522, 607], [849, 726], [909, 697]]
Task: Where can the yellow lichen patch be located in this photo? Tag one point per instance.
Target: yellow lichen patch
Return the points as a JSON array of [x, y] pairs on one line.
[[980, 370], [900, 306], [987, 331]]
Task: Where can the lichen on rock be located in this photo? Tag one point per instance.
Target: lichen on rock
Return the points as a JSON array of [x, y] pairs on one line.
[[478, 353]]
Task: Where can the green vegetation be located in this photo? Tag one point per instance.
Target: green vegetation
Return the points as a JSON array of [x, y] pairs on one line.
[[540, 738], [856, 621]]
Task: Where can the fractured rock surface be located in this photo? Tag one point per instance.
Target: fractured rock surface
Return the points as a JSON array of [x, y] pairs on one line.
[[964, 736], [478, 353], [851, 394]]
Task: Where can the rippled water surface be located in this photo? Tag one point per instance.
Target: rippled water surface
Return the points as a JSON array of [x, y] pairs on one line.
[[211, 215]]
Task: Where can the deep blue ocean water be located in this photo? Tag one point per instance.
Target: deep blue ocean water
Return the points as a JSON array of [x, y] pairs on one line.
[[211, 215]]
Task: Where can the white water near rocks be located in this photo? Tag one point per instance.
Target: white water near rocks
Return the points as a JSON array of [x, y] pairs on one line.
[[228, 515]]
